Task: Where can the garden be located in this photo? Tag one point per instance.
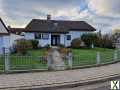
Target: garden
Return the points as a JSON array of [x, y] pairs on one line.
[[27, 56]]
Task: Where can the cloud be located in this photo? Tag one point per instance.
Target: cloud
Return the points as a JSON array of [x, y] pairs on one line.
[[105, 7], [24, 10], [102, 14]]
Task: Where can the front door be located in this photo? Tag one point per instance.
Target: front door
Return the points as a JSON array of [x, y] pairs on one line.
[[55, 40]]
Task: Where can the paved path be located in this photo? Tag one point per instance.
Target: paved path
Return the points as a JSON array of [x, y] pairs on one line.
[[56, 78]]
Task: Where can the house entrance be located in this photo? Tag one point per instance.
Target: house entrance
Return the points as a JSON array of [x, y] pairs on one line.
[[55, 40]]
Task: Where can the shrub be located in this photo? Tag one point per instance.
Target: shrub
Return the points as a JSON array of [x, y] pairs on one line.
[[107, 41], [63, 51], [22, 46], [47, 46], [89, 39], [76, 43], [45, 55], [62, 46], [35, 44], [98, 40]]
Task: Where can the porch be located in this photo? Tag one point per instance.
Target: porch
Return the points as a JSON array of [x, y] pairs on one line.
[[53, 39]]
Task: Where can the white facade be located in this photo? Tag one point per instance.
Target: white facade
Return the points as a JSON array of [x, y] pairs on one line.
[[13, 38], [2, 27], [4, 43], [1, 44], [4, 37], [117, 43], [29, 36], [63, 38], [74, 34]]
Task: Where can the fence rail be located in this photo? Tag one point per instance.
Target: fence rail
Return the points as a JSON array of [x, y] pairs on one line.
[[21, 63], [1, 63]]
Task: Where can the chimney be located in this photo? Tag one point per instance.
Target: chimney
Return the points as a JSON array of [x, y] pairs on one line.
[[48, 17]]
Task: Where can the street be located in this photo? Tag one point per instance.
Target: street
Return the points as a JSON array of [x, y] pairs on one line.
[[98, 86]]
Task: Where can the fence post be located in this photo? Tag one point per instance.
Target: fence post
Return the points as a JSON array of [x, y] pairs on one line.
[[115, 57], [49, 61], [70, 59], [7, 60], [98, 58]]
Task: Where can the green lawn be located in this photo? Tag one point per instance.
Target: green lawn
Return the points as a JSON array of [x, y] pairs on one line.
[[88, 56], [80, 57]]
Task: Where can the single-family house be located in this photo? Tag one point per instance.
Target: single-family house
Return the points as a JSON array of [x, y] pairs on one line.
[[116, 41], [4, 37], [54, 32]]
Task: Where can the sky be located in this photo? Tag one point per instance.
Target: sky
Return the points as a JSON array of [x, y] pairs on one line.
[[104, 15]]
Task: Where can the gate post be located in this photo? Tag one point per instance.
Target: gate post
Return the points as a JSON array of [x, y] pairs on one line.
[[7, 60], [70, 56], [98, 58], [115, 57], [49, 61]]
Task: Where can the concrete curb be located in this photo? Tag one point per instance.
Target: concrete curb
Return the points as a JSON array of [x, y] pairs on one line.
[[54, 86]]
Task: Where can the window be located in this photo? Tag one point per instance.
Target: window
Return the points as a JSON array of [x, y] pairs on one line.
[[55, 24], [45, 36], [22, 33], [68, 37], [37, 35]]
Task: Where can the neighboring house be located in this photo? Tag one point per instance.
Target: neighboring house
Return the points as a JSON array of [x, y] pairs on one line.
[[4, 37], [116, 41], [53, 32], [13, 38]]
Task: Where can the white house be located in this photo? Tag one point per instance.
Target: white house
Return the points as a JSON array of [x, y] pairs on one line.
[[4, 37], [54, 32], [116, 41]]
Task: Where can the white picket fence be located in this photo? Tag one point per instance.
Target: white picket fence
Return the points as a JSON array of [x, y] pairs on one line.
[[27, 63]]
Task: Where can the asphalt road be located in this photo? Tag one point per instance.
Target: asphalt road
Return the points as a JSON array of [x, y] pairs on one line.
[[98, 86]]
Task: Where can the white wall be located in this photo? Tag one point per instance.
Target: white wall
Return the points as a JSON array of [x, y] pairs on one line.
[[1, 44], [4, 39], [29, 36], [63, 38], [13, 38], [4, 43], [43, 42], [2, 28], [74, 34]]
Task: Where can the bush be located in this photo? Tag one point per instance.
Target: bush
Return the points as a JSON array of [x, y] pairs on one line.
[[76, 43], [22, 46], [89, 39], [107, 41], [47, 46], [35, 44], [63, 51], [62, 46], [102, 41]]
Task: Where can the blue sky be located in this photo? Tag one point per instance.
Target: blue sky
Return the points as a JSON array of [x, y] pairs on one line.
[[102, 14]]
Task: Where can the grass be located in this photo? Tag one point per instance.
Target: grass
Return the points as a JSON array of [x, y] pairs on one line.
[[80, 57], [88, 56]]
